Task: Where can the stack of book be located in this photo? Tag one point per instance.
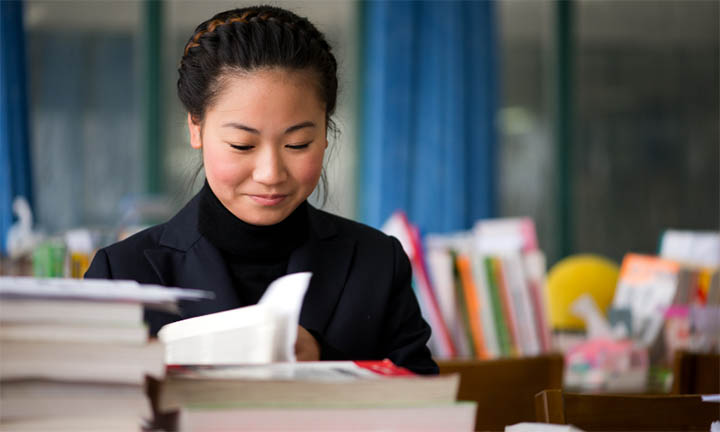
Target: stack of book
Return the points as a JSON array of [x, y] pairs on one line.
[[74, 354], [236, 370], [481, 291], [310, 396]]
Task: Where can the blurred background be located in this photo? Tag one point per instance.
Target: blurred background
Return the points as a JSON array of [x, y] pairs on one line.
[[597, 119], [558, 164]]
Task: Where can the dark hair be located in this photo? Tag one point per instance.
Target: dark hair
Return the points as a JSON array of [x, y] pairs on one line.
[[247, 39]]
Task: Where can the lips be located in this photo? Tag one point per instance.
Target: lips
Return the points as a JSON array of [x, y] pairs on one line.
[[268, 200]]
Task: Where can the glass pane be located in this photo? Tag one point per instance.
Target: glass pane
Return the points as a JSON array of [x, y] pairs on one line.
[[645, 152], [84, 126]]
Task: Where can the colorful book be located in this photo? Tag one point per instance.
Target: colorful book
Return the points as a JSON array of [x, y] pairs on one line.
[[516, 279], [507, 308], [647, 286], [482, 285], [534, 265], [441, 268], [409, 237], [473, 306], [464, 310], [503, 336]]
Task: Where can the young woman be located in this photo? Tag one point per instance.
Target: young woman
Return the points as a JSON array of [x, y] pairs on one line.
[[260, 86]]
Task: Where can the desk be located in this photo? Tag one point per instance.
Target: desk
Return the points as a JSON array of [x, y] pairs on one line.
[[504, 389]]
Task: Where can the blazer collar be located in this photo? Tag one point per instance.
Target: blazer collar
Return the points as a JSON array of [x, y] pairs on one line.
[[187, 259]]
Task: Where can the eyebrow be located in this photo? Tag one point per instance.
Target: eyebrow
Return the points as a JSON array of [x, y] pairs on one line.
[[307, 124]]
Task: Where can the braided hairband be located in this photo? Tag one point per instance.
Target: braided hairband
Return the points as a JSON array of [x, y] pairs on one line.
[[217, 22]]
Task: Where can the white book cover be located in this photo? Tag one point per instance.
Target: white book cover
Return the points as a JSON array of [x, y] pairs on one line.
[[520, 293], [440, 265]]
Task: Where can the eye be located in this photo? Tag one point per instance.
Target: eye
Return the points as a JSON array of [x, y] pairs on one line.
[[298, 146], [242, 147]]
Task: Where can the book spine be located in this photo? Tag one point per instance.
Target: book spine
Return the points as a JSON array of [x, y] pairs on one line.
[[525, 315], [534, 264], [419, 268], [463, 307], [499, 319], [472, 304], [508, 308], [486, 315]]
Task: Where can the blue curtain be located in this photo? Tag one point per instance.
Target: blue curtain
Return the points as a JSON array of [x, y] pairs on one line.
[[15, 176], [428, 139]]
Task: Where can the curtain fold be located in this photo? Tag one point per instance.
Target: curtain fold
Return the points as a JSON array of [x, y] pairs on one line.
[[15, 174], [428, 119]]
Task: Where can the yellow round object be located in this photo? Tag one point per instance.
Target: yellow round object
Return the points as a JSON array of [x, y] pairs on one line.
[[576, 275]]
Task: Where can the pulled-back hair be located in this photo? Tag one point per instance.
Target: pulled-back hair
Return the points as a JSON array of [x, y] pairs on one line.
[[248, 39]]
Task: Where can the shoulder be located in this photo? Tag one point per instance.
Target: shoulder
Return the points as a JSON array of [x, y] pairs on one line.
[[180, 233], [137, 243], [126, 259], [346, 228], [373, 248]]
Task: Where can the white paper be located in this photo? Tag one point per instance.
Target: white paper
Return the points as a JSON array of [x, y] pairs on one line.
[[284, 298], [94, 289], [711, 398], [257, 334]]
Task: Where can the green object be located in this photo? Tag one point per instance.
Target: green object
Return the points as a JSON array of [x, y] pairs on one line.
[[48, 259], [503, 335]]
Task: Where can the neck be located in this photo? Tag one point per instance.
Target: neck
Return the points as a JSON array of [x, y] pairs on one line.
[[251, 242]]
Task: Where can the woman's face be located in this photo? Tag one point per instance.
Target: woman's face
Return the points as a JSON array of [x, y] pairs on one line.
[[263, 141]]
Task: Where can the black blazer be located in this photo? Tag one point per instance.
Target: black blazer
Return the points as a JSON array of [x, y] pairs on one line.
[[360, 305]]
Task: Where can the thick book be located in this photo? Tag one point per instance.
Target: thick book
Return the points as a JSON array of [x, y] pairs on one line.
[[324, 384], [455, 417], [82, 362]]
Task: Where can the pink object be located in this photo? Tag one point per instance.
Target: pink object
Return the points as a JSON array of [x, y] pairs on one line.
[[677, 311]]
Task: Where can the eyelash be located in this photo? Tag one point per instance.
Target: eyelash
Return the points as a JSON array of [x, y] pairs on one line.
[[241, 147], [290, 146]]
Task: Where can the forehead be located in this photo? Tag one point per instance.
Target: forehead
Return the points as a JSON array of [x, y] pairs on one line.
[[267, 93]]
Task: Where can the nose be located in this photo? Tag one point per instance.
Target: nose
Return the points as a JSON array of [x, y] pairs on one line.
[[269, 167]]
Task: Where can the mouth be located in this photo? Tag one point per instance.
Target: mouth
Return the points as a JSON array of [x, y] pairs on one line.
[[268, 200]]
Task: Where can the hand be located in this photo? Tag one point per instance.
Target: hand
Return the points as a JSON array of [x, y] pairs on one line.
[[306, 347]]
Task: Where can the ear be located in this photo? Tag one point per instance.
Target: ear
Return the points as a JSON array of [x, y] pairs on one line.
[[195, 133]]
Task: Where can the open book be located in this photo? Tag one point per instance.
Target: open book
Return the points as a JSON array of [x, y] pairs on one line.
[[257, 334]]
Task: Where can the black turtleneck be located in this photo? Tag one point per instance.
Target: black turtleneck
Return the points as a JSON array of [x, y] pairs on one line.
[[255, 255]]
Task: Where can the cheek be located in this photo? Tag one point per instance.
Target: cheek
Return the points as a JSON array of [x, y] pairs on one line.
[[223, 169], [307, 171]]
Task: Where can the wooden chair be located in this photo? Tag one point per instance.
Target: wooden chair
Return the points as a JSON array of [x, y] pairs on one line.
[[504, 388], [696, 373], [596, 412]]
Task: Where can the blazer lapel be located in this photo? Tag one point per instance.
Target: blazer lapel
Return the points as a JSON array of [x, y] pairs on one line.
[[186, 259], [328, 257]]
